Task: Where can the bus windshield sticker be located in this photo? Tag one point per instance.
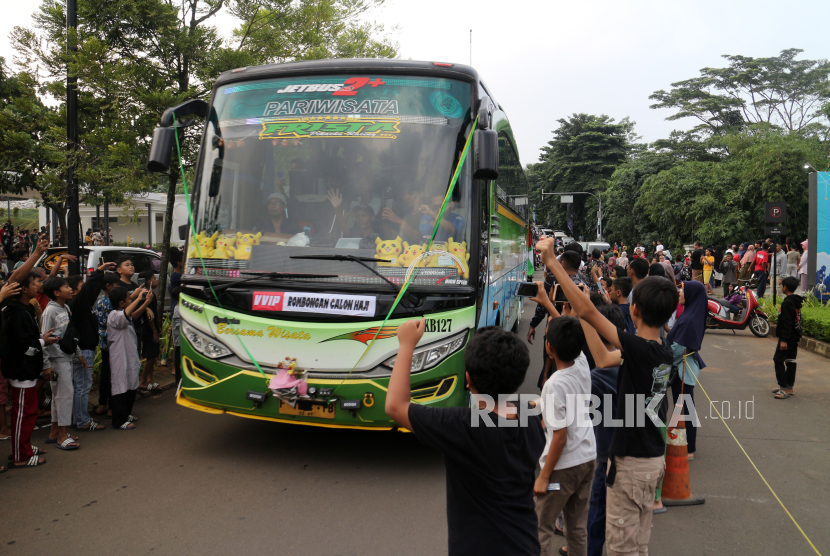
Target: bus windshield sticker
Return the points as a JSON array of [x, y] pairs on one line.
[[348, 88], [364, 336], [323, 303], [380, 106], [302, 128], [446, 104]]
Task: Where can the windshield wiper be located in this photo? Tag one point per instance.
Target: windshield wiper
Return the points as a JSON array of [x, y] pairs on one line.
[[359, 260], [272, 276]]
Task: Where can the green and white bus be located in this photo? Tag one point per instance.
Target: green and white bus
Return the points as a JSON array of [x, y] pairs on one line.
[[316, 196]]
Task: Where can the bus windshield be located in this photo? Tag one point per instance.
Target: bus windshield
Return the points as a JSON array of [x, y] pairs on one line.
[[335, 165]]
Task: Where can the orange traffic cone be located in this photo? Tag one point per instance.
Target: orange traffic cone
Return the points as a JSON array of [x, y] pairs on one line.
[[677, 488]]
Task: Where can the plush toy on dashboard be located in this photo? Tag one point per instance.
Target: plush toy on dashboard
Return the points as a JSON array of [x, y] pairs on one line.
[[410, 253], [224, 246], [389, 249], [460, 251], [244, 243], [437, 247], [205, 245]]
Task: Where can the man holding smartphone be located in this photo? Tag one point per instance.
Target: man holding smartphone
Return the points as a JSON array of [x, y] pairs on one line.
[[149, 327], [570, 260]]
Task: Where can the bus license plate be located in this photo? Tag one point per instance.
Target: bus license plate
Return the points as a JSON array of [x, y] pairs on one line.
[[308, 409]]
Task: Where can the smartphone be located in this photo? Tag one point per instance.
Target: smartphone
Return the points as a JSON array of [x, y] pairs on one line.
[[527, 289], [141, 282], [553, 486], [559, 295]]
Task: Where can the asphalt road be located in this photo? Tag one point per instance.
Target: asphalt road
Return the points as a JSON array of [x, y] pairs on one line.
[[186, 482]]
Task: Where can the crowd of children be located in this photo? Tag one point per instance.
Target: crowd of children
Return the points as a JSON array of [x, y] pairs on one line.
[[605, 477], [51, 329]]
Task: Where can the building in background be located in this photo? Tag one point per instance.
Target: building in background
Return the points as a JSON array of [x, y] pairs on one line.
[[142, 223]]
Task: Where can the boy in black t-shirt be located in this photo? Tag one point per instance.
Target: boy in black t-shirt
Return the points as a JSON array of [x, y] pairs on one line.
[[636, 456], [490, 452]]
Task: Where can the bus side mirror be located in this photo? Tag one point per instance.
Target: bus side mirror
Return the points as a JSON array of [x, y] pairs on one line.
[[215, 178], [183, 229], [486, 149], [161, 149], [193, 107]]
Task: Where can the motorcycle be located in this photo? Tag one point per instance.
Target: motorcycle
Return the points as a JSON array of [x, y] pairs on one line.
[[751, 315]]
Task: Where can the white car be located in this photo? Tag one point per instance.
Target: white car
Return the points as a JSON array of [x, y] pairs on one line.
[[92, 256]]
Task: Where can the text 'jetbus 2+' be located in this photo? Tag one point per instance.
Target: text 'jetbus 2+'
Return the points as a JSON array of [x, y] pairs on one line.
[[316, 195]]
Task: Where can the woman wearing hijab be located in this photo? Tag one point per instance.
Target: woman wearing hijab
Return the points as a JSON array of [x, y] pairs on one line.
[[622, 260], [802, 268], [685, 339]]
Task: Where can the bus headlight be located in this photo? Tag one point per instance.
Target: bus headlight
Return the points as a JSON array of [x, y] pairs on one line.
[[207, 346], [430, 355]]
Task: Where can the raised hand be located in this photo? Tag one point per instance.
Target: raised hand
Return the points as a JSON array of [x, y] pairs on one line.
[[9, 289], [335, 198], [411, 332]]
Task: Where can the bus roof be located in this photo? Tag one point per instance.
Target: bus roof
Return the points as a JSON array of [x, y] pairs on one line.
[[349, 65]]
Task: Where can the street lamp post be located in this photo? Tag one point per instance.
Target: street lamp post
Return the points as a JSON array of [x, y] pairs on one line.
[[598, 197]]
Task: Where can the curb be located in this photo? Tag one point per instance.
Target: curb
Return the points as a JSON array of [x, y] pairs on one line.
[[810, 344]]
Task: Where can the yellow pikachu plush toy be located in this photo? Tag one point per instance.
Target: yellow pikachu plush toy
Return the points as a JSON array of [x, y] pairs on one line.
[[410, 253], [244, 243], [224, 246], [460, 251], [205, 245], [389, 249]]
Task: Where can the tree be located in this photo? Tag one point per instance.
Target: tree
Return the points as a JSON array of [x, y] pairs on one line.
[[136, 58], [723, 202], [779, 91], [625, 221], [276, 31], [582, 156]]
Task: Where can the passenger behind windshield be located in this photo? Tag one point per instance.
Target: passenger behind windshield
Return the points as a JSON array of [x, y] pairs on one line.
[[407, 226], [277, 220], [452, 225]]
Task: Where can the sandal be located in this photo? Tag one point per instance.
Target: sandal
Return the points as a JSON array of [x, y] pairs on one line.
[[92, 426], [33, 461], [132, 419], [781, 395], [2, 469], [127, 426], [35, 450], [68, 444], [55, 440]]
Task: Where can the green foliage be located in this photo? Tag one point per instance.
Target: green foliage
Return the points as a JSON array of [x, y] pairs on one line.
[[721, 202], [780, 91], [582, 156], [277, 31], [815, 317], [625, 221]]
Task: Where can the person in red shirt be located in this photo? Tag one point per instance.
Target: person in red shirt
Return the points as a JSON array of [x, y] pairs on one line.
[[761, 267]]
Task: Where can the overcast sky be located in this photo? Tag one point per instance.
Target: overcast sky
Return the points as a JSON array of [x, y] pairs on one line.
[[544, 60]]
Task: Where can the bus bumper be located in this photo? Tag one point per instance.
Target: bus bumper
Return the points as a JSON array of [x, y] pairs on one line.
[[211, 387]]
